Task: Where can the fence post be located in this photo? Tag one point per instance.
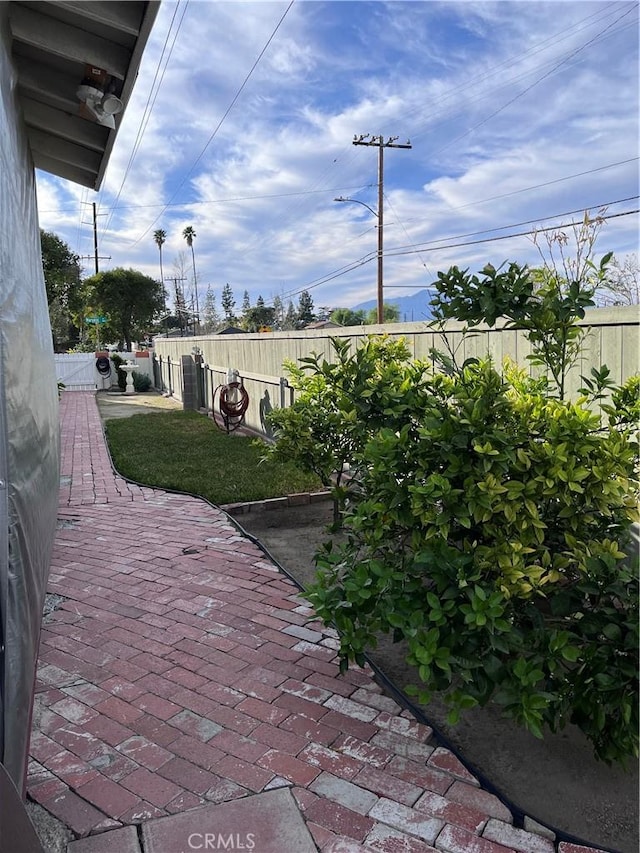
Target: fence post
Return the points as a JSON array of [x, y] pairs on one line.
[[212, 390], [283, 386], [199, 378], [157, 373], [189, 383]]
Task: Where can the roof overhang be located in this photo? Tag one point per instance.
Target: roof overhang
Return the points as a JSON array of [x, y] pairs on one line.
[[57, 47]]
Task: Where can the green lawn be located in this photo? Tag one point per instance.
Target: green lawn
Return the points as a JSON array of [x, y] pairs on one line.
[[187, 452]]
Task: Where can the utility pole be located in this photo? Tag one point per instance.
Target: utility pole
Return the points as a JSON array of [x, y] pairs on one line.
[[95, 256], [380, 143], [95, 236]]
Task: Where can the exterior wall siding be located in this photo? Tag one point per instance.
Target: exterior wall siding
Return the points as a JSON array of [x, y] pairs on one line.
[[29, 426]]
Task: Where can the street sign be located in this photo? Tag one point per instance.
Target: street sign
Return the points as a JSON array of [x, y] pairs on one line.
[[96, 320]]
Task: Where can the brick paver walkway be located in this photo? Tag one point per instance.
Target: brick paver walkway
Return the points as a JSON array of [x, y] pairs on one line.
[[180, 668]]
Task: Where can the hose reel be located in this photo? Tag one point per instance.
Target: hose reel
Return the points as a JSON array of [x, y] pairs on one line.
[[103, 366], [233, 402]]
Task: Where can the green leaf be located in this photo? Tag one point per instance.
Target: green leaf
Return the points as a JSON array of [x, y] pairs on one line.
[[612, 631], [570, 653], [453, 716]]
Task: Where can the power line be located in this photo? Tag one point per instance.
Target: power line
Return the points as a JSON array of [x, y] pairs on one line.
[[430, 245], [148, 109], [558, 65], [545, 184], [372, 255], [249, 198], [537, 48], [223, 200], [411, 251], [443, 116], [510, 62], [580, 209], [221, 122], [354, 187]]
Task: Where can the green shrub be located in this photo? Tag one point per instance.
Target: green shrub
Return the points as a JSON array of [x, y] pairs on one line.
[[544, 304], [120, 374], [624, 408], [338, 406], [487, 530], [141, 381], [486, 525]]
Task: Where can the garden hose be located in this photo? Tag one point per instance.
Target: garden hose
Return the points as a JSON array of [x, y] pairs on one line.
[[233, 401]]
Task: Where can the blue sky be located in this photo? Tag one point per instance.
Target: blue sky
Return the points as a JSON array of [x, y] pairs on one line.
[[242, 120]]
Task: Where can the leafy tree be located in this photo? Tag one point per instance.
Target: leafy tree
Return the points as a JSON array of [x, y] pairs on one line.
[[291, 318], [545, 306], [211, 317], [278, 313], [544, 303], [228, 303], [182, 313], [61, 268], [321, 429], [258, 317], [305, 310], [129, 299], [347, 317], [246, 303], [390, 314]]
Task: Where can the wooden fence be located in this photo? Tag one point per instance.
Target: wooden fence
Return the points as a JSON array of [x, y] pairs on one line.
[[612, 339]]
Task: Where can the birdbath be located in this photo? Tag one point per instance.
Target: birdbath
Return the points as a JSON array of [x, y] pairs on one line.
[[128, 368]]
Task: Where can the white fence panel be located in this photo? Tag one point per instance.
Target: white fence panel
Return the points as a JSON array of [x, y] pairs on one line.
[[77, 370]]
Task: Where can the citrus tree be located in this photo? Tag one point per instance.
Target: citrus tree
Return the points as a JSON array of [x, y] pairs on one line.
[[487, 521]]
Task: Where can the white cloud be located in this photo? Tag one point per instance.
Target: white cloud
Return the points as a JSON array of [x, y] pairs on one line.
[[496, 98]]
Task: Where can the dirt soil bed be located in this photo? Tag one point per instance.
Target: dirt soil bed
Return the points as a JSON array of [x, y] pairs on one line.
[[555, 781]]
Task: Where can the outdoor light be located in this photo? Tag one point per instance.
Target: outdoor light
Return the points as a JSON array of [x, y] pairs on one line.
[[101, 106]]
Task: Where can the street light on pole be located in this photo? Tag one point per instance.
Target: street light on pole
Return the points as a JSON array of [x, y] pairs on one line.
[[357, 201], [380, 311]]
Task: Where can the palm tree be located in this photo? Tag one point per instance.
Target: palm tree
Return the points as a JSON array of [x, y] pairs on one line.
[[160, 237], [188, 235]]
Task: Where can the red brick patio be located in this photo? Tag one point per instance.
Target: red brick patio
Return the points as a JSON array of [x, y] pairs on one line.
[[181, 669]]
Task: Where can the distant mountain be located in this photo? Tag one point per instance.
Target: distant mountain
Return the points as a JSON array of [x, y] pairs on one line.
[[412, 308]]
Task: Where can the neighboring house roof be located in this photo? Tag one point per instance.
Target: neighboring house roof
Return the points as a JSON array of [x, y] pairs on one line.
[[323, 324], [232, 330], [58, 46]]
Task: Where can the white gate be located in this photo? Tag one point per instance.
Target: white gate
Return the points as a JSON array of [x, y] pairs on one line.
[[77, 370]]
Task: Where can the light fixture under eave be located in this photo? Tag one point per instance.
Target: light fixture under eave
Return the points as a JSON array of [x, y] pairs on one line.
[[100, 106]]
